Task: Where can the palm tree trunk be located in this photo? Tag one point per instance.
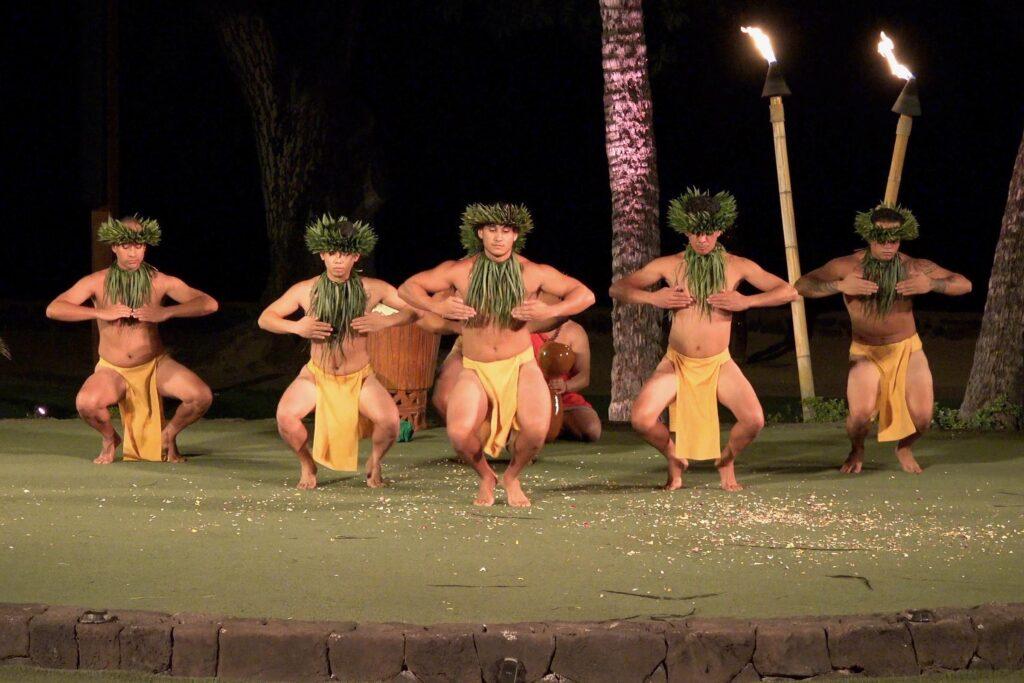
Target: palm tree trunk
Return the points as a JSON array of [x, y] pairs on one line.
[[633, 174], [998, 369]]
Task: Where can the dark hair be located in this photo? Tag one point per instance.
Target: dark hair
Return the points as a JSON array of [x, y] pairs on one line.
[[887, 215]]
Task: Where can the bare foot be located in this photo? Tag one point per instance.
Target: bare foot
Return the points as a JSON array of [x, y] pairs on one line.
[[308, 478], [854, 461], [676, 467], [373, 478], [170, 449], [485, 495], [726, 472], [907, 461], [108, 451], [516, 497]]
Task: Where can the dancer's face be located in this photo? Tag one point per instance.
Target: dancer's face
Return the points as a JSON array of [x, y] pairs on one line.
[[498, 241], [339, 265], [703, 243], [885, 251], [129, 256]]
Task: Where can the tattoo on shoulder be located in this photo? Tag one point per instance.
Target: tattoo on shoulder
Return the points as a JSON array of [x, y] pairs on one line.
[[927, 267], [822, 286]]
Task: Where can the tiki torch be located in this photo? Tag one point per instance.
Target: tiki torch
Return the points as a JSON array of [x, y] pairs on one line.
[[907, 106], [774, 89]]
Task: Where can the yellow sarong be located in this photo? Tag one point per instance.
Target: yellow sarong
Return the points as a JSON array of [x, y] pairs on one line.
[[500, 379], [142, 411], [892, 361], [694, 414], [336, 424]]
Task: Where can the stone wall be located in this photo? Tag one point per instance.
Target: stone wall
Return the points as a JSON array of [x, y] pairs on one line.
[[695, 649]]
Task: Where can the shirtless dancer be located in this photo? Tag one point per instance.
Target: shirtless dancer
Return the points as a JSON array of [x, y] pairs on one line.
[[581, 421], [889, 373], [496, 294], [135, 370], [701, 291], [338, 380]]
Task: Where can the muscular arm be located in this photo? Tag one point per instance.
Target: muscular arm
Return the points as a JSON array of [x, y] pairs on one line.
[[581, 346], [417, 290], [575, 296], [774, 290], [944, 281], [68, 306], [823, 281], [191, 302], [389, 297], [632, 288], [274, 317]]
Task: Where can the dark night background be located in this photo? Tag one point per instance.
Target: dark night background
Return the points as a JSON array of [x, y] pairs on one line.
[[470, 111]]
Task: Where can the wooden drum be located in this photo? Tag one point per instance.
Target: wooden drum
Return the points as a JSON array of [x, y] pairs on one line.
[[404, 360]]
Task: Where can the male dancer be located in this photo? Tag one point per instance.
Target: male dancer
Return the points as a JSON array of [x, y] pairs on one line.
[[135, 370], [701, 291], [338, 381], [889, 373], [496, 294]]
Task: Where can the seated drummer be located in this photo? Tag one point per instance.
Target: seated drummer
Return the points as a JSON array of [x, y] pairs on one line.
[[581, 420]]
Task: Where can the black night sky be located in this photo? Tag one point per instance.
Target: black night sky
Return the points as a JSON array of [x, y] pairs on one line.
[[479, 102]]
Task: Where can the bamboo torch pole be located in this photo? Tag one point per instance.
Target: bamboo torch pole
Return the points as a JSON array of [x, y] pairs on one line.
[[775, 88], [907, 106]]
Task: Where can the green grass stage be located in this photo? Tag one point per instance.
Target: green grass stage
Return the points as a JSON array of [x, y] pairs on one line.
[[228, 532]]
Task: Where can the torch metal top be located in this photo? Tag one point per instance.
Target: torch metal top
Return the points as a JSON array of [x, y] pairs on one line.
[[908, 103], [774, 83]]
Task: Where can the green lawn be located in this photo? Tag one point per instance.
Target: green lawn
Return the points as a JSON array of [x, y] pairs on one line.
[[228, 533]]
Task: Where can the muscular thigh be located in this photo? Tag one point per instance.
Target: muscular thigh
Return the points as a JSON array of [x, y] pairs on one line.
[[299, 399], [862, 385], [449, 375], [176, 381], [533, 402], [104, 387], [657, 392], [920, 394], [375, 402], [467, 404], [736, 393]]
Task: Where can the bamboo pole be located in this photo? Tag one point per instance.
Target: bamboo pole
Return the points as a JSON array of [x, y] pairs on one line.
[[803, 346], [899, 153]]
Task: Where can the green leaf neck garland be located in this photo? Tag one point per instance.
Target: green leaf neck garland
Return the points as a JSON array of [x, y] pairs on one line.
[[338, 303], [705, 275], [885, 274], [133, 288], [495, 288]]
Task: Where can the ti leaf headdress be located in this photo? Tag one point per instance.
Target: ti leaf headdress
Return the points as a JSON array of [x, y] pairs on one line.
[[115, 232], [866, 228], [697, 212], [328, 234], [476, 216]]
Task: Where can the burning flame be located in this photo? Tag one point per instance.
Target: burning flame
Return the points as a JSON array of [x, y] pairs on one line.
[[762, 42], [885, 48]]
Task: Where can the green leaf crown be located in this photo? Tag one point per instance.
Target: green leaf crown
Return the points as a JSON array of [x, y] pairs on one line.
[[870, 232], [476, 216], [329, 234], [696, 212], [114, 232]]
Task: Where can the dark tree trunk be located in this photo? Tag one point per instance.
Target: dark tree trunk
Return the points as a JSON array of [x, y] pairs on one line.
[[998, 369], [633, 174], [290, 124]]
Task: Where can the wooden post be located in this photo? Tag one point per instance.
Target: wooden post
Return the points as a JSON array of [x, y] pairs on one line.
[[899, 153], [803, 346]]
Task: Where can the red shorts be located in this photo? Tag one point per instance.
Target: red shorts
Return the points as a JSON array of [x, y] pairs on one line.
[[571, 399]]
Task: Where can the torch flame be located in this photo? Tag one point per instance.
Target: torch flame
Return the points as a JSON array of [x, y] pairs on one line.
[[762, 42], [886, 49]]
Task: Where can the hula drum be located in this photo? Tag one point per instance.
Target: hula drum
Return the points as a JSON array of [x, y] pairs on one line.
[[555, 360], [404, 359]]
